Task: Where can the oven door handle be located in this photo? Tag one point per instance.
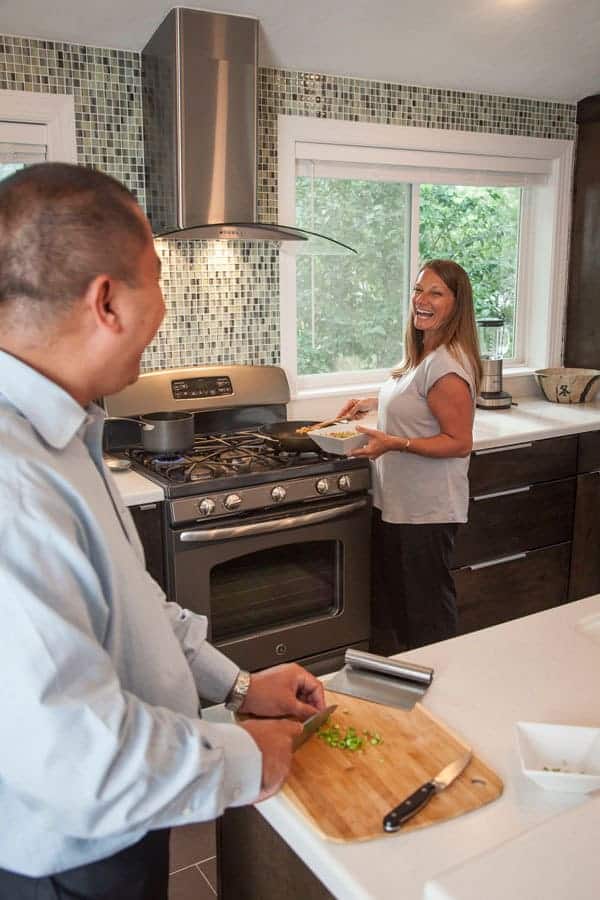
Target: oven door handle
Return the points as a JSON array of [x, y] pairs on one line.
[[237, 531]]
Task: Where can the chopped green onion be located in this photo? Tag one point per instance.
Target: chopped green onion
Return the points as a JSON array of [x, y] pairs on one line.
[[350, 740]]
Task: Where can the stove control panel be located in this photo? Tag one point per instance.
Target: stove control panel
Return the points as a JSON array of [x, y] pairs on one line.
[[262, 497], [200, 388]]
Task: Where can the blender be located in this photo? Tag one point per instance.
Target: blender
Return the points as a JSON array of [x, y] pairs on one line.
[[493, 344]]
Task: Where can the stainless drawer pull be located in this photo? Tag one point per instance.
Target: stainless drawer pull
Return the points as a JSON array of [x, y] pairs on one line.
[[503, 449], [497, 562], [594, 472], [279, 524], [521, 490]]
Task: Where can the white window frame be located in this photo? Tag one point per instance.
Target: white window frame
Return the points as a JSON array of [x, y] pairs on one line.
[[545, 225], [56, 112]]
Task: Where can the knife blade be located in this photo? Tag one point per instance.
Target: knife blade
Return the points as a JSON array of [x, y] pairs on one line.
[[417, 800], [312, 724]]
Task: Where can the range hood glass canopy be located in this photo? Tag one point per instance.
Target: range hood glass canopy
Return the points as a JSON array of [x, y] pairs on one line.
[[199, 102]]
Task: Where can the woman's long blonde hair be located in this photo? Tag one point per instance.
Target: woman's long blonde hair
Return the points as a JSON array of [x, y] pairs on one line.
[[458, 334]]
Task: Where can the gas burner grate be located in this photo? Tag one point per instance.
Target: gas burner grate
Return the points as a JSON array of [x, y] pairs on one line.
[[219, 455]]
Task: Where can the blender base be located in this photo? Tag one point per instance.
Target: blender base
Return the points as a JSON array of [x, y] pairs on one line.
[[494, 400]]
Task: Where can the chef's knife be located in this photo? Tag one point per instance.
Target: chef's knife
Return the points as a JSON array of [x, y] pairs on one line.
[[407, 809], [312, 724]]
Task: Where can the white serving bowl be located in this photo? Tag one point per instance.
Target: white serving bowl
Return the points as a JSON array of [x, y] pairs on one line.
[[564, 385], [572, 750], [325, 439]]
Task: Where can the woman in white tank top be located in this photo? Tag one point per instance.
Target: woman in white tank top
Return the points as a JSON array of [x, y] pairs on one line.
[[420, 452]]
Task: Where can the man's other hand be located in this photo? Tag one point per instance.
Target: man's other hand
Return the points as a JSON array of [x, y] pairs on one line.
[[287, 690]]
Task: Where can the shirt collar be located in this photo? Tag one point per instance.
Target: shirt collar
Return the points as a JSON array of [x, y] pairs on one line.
[[55, 414]]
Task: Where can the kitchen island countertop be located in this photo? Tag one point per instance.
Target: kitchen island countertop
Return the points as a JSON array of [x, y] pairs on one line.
[[538, 668]]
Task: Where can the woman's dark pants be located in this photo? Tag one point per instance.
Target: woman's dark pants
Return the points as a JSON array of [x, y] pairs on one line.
[[414, 599]]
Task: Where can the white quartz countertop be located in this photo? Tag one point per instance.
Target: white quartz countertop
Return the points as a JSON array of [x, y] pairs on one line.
[[135, 489], [532, 420], [539, 668]]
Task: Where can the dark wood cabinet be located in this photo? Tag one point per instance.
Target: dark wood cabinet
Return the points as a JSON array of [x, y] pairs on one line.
[[490, 593], [513, 556], [588, 456], [516, 520], [585, 559], [526, 463], [582, 343], [148, 520]]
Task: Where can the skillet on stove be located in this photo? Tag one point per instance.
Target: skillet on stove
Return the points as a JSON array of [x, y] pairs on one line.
[[289, 439]]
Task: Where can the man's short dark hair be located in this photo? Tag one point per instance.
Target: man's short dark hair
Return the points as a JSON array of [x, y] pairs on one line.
[[62, 225]]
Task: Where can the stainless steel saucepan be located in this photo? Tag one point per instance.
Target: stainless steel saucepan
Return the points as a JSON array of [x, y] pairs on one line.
[[163, 432]]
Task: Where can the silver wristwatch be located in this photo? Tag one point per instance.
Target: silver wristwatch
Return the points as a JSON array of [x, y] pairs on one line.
[[237, 694]]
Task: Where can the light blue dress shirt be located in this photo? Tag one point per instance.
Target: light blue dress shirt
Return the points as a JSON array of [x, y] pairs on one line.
[[100, 739]]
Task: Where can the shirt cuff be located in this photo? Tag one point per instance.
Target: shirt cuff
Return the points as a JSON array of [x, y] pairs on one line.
[[242, 776]]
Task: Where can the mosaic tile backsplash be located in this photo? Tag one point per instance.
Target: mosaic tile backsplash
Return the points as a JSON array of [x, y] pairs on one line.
[[223, 298]]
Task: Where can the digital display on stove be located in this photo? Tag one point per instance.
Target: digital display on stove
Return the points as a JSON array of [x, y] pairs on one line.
[[198, 388]]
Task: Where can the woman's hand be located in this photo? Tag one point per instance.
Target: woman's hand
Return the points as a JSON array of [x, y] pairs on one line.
[[356, 409], [379, 443]]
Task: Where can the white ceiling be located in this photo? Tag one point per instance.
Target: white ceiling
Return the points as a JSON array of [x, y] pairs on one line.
[[526, 48]]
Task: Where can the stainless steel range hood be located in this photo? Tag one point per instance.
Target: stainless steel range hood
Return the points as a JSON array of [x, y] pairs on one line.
[[199, 101]]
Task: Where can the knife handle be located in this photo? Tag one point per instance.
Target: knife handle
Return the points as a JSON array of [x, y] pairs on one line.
[[407, 809]]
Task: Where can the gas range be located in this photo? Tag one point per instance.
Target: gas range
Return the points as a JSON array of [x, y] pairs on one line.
[[271, 546], [232, 468]]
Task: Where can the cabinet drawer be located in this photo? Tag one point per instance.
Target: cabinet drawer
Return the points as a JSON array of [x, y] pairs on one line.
[[527, 463], [506, 590], [516, 520], [588, 457]]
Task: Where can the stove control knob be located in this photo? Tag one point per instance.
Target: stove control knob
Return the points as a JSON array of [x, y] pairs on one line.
[[322, 486], [278, 493], [232, 501], [206, 506], [344, 483]]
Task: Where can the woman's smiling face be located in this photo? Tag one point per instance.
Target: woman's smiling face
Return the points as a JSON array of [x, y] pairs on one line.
[[432, 302]]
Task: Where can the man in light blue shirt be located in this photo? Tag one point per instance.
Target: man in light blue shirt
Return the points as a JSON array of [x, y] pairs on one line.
[[102, 747]]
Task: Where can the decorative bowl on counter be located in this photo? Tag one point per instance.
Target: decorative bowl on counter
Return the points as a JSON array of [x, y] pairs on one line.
[[560, 757], [341, 439], [564, 385]]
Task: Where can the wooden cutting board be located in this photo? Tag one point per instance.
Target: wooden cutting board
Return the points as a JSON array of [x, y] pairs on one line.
[[345, 794]]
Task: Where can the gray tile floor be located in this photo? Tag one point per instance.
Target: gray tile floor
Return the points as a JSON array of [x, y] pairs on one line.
[[193, 863]]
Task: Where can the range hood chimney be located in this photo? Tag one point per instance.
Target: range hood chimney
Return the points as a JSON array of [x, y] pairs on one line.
[[199, 106]]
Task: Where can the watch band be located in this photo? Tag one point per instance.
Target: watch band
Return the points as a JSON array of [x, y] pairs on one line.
[[238, 692]]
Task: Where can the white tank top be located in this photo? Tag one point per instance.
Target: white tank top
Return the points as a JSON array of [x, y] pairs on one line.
[[413, 489]]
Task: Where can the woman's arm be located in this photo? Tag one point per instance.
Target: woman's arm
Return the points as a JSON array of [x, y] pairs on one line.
[[451, 403]]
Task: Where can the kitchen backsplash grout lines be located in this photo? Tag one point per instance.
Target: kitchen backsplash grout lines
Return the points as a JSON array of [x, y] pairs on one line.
[[223, 298]]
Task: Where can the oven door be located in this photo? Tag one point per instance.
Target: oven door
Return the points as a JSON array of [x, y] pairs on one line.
[[278, 586]]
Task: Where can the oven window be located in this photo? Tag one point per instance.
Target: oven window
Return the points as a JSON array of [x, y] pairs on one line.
[[272, 588]]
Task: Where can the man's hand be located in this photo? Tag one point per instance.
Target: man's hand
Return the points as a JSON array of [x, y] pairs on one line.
[[287, 690], [274, 738]]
